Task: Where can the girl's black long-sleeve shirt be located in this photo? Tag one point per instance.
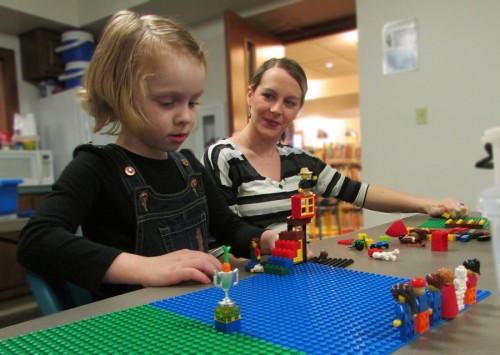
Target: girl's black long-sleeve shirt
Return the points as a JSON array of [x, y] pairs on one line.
[[90, 194]]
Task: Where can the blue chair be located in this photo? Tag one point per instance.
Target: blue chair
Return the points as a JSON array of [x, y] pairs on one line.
[[55, 296]]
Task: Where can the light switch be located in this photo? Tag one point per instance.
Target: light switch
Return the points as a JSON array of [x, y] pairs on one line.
[[422, 117]]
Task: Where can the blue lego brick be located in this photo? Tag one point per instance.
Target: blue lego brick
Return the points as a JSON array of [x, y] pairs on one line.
[[464, 238], [250, 265], [228, 328], [277, 260], [324, 300]]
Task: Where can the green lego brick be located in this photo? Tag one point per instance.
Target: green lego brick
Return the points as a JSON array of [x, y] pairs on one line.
[[227, 314], [276, 270], [140, 330]]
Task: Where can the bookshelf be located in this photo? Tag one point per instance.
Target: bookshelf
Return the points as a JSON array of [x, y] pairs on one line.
[[346, 158]]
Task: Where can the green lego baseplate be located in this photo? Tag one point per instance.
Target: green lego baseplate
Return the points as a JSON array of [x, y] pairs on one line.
[[468, 222], [140, 330]]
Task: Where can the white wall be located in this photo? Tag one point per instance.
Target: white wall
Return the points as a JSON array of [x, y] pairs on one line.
[[211, 34], [74, 13], [458, 81]]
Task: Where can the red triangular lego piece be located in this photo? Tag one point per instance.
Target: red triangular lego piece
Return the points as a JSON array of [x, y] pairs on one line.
[[397, 229]]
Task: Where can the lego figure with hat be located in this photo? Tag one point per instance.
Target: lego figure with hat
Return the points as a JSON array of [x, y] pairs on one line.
[[434, 296], [405, 309], [307, 182], [423, 311]]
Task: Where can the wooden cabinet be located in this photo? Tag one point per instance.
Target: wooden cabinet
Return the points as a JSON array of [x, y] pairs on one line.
[[13, 282], [9, 103], [29, 202], [39, 59]]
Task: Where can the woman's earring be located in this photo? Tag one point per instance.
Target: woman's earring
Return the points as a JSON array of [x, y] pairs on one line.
[[249, 113]]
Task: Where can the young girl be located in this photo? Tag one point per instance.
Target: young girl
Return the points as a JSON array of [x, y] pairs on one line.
[[144, 209], [258, 175]]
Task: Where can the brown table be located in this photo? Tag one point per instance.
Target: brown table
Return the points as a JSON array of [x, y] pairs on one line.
[[475, 330]]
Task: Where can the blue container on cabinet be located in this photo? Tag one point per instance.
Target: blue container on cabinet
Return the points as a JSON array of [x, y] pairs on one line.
[[9, 191]]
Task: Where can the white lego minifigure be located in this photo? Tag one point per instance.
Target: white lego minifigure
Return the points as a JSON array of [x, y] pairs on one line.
[[386, 255], [460, 283]]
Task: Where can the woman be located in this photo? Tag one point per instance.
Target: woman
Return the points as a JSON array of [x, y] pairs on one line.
[[258, 175]]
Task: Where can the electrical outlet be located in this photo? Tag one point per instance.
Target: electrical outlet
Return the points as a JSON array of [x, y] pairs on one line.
[[422, 117]]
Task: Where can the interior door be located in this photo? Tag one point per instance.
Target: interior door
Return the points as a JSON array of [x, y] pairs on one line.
[[9, 103], [247, 47]]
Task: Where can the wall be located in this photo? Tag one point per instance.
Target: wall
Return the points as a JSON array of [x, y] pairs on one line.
[[75, 13], [458, 81], [211, 34]]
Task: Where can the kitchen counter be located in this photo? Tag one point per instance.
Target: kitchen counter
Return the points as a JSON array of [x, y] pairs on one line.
[[12, 223], [35, 189]]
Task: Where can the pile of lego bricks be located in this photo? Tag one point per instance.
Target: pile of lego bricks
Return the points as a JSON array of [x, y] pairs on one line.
[[290, 314], [468, 222], [464, 230]]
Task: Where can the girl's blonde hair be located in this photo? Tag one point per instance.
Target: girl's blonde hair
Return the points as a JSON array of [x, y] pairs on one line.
[[117, 73]]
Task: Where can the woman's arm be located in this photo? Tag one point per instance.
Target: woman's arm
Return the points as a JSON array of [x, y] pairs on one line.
[[383, 199]]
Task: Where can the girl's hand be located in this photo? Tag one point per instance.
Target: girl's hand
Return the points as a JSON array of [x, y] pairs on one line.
[[164, 270]]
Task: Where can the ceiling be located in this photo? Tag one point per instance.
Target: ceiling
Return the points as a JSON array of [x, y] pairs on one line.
[[289, 20]]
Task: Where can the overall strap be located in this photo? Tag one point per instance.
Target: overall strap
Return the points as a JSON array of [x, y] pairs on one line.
[[129, 174]]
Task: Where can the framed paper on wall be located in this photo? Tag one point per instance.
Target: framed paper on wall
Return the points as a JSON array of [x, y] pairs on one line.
[[400, 46]]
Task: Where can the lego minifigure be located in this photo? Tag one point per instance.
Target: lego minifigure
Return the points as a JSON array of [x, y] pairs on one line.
[[303, 207], [416, 237], [460, 283], [434, 296], [449, 306], [423, 311], [307, 182], [227, 315], [405, 309], [253, 264], [473, 267], [385, 255]]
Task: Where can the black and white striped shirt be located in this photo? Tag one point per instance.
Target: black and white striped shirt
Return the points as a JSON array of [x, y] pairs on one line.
[[264, 202]]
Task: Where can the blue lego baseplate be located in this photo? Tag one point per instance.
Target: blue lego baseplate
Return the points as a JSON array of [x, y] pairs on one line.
[[317, 309]]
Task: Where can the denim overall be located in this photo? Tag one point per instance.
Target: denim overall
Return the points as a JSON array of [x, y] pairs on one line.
[[165, 222]]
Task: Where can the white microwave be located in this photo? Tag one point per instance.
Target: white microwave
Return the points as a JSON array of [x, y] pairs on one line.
[[35, 167]]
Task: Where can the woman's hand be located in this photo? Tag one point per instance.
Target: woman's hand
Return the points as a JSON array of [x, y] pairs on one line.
[[164, 270], [270, 237], [454, 208], [267, 240]]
